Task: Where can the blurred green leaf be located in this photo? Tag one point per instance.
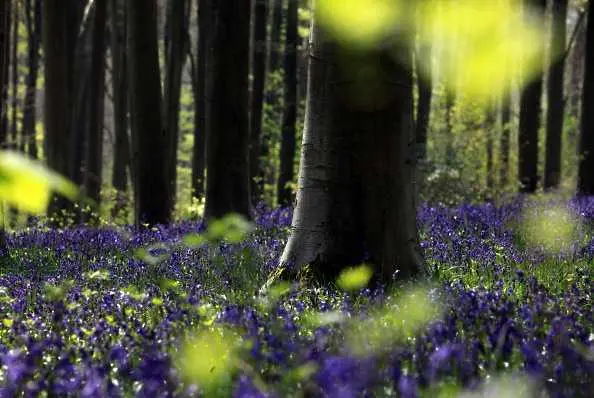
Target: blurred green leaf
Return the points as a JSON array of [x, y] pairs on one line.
[[27, 185], [354, 278], [232, 228], [194, 240]]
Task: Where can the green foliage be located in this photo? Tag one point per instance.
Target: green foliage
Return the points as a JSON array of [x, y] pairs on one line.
[[354, 278]]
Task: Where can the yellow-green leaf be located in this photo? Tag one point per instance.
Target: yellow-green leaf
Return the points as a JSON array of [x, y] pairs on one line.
[[27, 184], [354, 278]]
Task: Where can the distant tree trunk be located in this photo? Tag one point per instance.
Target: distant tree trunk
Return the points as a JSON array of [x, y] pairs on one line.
[[585, 184], [121, 150], [505, 137], [489, 129], [425, 86], [287, 155], [14, 59], [356, 192], [176, 53], [5, 22], [201, 112], [530, 111], [257, 100], [276, 24], [556, 103], [96, 106], [227, 185], [152, 190], [450, 101], [33, 25]]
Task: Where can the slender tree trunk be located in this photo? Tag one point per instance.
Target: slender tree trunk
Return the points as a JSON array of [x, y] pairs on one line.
[[585, 184], [489, 129], [152, 190], [176, 53], [556, 103], [276, 24], [33, 24], [505, 137], [201, 112], [13, 142], [257, 100], [287, 158], [227, 186], [450, 101], [356, 192], [121, 150], [96, 106], [5, 22], [530, 112]]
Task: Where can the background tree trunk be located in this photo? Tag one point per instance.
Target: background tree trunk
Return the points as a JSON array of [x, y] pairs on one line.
[[121, 150], [259, 51], [5, 23], [152, 190], [227, 185], [356, 192], [201, 112], [276, 24], [505, 137], [14, 63], [287, 155], [489, 129], [556, 103], [177, 17], [96, 106], [33, 25], [585, 184], [530, 112]]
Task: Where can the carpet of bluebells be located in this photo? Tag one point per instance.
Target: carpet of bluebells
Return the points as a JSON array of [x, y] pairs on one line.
[[95, 312]]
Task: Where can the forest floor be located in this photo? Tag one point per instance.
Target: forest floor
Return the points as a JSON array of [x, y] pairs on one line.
[[177, 311]]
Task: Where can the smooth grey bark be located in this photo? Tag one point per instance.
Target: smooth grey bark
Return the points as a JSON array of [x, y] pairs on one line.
[[576, 62], [176, 52], [530, 112], [259, 58], [585, 185], [227, 177], [152, 190], [96, 107], [201, 112], [289, 118], [121, 150], [425, 87], [276, 24], [33, 25], [555, 100], [355, 198]]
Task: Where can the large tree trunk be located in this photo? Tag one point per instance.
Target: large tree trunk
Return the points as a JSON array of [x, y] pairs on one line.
[[152, 189], [259, 51], [121, 150], [227, 185], [424, 85], [5, 22], [556, 103], [201, 112], [585, 184], [177, 22], [355, 196], [33, 24], [530, 111], [95, 105], [61, 21], [287, 155], [576, 62]]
